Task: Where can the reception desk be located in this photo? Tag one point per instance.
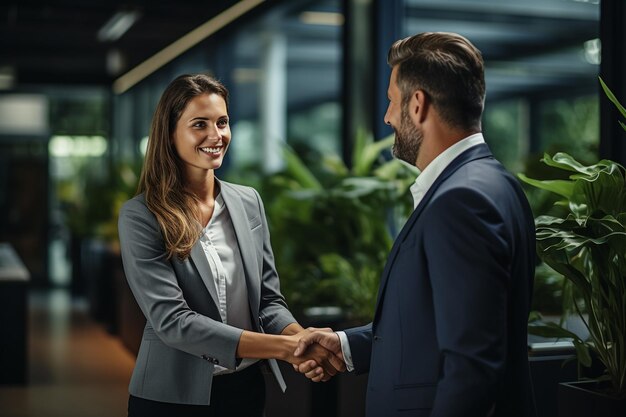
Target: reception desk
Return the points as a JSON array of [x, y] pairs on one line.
[[14, 279]]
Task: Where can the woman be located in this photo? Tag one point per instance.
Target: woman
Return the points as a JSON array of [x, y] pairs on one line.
[[197, 257]]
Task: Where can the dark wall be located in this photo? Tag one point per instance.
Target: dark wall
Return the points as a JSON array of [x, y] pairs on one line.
[[24, 203]]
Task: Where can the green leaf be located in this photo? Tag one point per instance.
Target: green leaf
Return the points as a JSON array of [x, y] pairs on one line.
[[551, 330], [612, 98], [334, 164], [534, 316], [567, 162], [299, 171], [355, 187], [366, 152], [598, 187], [389, 170], [361, 139], [563, 188], [582, 353]]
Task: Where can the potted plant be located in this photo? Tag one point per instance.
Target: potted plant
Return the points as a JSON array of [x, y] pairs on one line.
[[584, 239], [332, 227]]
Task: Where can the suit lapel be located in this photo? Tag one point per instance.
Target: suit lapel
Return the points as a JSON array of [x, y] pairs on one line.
[[202, 265], [239, 218], [476, 152]]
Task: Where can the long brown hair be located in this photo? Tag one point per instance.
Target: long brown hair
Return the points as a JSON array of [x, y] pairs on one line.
[[162, 180], [448, 68]]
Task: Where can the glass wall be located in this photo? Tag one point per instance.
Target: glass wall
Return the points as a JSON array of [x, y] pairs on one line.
[[283, 70], [287, 81], [542, 63]]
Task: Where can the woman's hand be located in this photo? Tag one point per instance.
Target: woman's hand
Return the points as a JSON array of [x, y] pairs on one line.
[[324, 363], [320, 363]]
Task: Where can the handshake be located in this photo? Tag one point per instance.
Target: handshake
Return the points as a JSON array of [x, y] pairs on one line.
[[316, 353]]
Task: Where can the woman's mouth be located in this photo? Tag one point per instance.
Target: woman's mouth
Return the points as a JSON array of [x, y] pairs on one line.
[[212, 150]]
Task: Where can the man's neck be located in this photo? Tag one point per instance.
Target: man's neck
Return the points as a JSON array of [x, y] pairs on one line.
[[438, 141]]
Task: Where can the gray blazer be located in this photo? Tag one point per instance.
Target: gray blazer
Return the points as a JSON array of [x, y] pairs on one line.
[[184, 335]]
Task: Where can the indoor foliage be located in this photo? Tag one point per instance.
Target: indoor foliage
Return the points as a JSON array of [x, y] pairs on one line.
[[586, 242], [333, 225]]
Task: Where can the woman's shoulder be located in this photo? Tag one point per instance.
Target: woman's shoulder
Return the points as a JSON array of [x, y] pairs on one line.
[[243, 191], [136, 201], [136, 205], [248, 196], [136, 219]]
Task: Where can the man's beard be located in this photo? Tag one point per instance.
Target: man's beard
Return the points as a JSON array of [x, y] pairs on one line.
[[408, 139]]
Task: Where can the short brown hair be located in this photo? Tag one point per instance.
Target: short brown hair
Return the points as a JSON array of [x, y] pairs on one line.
[[448, 68]]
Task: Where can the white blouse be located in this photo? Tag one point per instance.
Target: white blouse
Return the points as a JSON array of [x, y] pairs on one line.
[[219, 242]]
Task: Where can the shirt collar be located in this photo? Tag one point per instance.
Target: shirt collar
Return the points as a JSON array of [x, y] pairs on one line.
[[217, 210], [428, 176]]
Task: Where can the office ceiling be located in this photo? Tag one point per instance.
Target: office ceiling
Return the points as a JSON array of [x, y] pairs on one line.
[[56, 42], [535, 45]]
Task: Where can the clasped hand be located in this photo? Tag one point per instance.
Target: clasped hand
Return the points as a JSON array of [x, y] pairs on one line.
[[318, 354]]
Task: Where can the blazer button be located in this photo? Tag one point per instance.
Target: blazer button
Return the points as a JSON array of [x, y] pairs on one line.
[[377, 338]]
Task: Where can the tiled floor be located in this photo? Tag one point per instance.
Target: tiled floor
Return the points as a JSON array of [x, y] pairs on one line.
[[77, 369]]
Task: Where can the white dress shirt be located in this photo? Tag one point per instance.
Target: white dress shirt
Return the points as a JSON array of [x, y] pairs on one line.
[[220, 246], [419, 189]]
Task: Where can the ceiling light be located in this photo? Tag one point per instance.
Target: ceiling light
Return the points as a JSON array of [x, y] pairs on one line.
[[322, 18], [7, 78], [592, 51], [117, 25], [143, 145], [80, 146], [115, 61]]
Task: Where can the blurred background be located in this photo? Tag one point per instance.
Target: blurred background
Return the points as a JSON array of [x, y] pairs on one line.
[[79, 82]]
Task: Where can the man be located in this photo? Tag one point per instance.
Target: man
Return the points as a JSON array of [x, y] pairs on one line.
[[448, 336]]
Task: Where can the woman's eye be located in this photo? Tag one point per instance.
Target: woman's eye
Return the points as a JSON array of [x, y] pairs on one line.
[[222, 123], [199, 124]]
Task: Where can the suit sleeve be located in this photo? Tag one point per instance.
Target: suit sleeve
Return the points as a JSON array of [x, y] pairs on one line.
[[273, 310], [360, 341], [468, 257], [153, 282]]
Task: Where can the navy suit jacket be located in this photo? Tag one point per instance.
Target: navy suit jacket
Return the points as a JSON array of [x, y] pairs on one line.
[[449, 333]]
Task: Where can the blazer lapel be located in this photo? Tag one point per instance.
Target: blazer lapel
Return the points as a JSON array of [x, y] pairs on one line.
[[239, 218], [476, 152], [202, 265]]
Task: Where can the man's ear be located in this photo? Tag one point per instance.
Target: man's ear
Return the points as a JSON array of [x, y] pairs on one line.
[[419, 106]]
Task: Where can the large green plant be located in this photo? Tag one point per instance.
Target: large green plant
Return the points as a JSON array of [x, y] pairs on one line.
[[331, 225], [585, 241]]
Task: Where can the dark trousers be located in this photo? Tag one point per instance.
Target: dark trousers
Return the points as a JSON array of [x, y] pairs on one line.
[[240, 394]]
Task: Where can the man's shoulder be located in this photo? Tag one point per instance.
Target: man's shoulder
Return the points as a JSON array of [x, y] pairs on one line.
[[484, 181]]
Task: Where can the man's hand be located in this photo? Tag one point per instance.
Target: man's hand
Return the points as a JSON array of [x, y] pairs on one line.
[[324, 363], [311, 340]]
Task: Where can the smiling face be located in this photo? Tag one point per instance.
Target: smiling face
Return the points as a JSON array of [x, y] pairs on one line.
[[202, 134]]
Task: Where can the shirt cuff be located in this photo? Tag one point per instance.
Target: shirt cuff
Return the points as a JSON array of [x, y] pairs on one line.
[[345, 350]]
